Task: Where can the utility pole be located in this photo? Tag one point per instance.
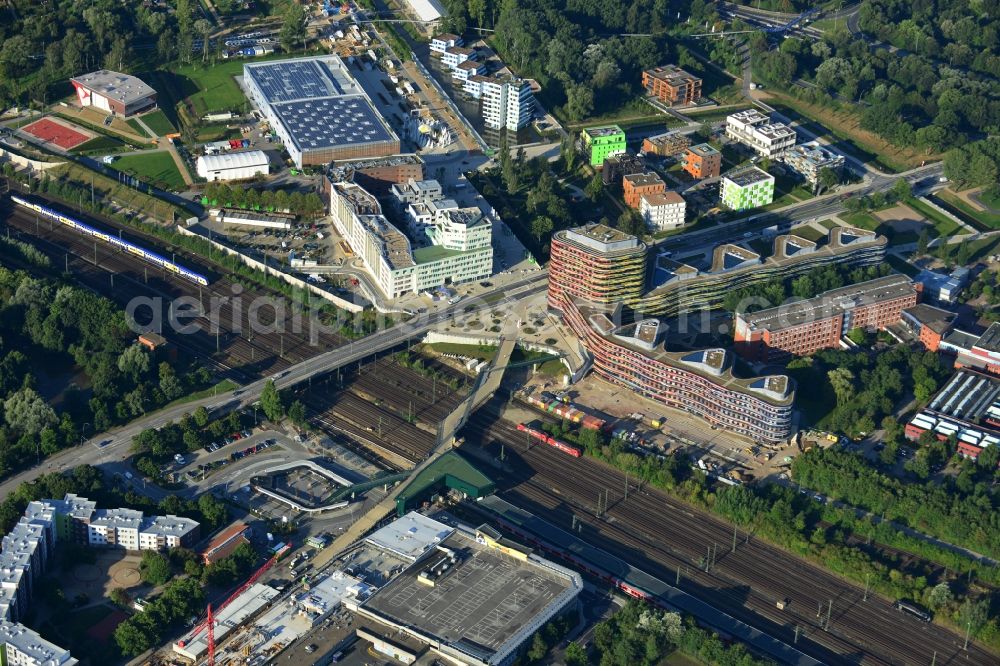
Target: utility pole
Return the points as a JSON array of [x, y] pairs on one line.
[[968, 630], [626, 487], [867, 579], [829, 612], [708, 558], [502, 453], [796, 635], [934, 659], [734, 539], [677, 581]]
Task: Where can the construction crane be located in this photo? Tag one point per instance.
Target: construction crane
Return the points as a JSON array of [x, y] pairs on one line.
[[209, 621]]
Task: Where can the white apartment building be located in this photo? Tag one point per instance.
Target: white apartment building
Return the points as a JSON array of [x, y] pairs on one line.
[[808, 159], [458, 253], [456, 55], [467, 69], [663, 211], [413, 191], [507, 103], [444, 41], [20, 646], [752, 128]]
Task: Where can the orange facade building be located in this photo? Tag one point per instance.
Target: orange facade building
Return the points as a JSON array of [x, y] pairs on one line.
[[672, 85], [635, 185], [702, 161]]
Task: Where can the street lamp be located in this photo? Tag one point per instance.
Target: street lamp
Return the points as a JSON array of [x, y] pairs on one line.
[[82, 431]]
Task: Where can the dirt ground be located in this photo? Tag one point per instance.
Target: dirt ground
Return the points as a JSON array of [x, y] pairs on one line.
[[902, 218], [112, 569]]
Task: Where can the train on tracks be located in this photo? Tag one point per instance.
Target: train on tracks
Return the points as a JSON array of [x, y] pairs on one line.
[[551, 404], [551, 441], [88, 230]]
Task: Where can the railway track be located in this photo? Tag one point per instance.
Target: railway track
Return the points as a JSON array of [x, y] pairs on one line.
[[233, 345], [659, 534]]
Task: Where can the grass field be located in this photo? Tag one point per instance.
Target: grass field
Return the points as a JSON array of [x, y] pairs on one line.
[[112, 189], [159, 123], [482, 352], [990, 198], [134, 124], [861, 221], [829, 224], [156, 168], [985, 218], [99, 144], [809, 233], [943, 225], [845, 126]]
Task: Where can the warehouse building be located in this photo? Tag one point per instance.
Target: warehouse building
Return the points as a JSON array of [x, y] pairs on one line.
[[470, 595], [967, 408], [804, 327], [114, 92], [233, 166], [747, 188], [318, 110], [426, 10]]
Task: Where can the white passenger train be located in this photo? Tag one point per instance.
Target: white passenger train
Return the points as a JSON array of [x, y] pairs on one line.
[[112, 240]]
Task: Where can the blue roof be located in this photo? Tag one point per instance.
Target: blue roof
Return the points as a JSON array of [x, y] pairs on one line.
[[332, 121], [294, 79]]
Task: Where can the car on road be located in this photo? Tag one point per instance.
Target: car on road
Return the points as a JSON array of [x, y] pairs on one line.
[[179, 459], [311, 648]]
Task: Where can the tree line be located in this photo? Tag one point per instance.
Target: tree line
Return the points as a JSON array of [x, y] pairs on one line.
[[299, 203]]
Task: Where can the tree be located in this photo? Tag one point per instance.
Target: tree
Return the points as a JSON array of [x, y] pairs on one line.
[[575, 655], [204, 28], [594, 188], [134, 362], [857, 335], [154, 567], [923, 241], [567, 151], [270, 402], [200, 417], [297, 412], [294, 28], [827, 179], [939, 596], [27, 413], [901, 189], [842, 382], [119, 596], [541, 227], [538, 648]]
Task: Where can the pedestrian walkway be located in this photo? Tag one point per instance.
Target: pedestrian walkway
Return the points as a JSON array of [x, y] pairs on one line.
[[181, 166]]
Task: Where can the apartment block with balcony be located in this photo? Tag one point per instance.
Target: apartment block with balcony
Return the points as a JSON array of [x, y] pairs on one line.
[[808, 159], [635, 185], [600, 143], [597, 263], [444, 41], [698, 382], [664, 211], [456, 55], [754, 130], [668, 144], [671, 85], [747, 188], [617, 167], [805, 327], [507, 103], [702, 161]]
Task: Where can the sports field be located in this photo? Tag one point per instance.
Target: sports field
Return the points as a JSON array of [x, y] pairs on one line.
[[158, 122], [58, 133], [157, 168]]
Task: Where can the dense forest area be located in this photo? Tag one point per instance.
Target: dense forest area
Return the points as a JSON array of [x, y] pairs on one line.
[[69, 369]]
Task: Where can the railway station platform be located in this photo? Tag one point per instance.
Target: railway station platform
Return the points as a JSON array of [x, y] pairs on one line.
[[635, 582]]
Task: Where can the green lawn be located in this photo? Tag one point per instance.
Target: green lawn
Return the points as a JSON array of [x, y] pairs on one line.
[[714, 116], [809, 233], [990, 198], [861, 221], [482, 352], [139, 129], [943, 225], [156, 168], [225, 386], [98, 145], [985, 218], [829, 224], [159, 123]]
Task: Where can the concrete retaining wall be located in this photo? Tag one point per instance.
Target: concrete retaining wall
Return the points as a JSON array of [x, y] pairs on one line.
[[22, 162], [270, 270]]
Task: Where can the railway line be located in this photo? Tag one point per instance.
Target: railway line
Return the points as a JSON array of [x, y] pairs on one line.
[[234, 346], [660, 534]]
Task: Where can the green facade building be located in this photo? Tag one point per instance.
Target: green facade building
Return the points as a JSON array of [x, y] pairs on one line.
[[747, 188], [603, 142]]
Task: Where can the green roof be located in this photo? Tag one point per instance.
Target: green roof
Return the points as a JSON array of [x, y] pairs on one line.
[[451, 470], [426, 255]]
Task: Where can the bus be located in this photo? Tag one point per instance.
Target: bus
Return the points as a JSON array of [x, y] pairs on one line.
[[913, 610]]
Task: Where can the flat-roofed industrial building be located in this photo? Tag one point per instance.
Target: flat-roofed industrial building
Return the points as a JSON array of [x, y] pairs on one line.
[[318, 110]]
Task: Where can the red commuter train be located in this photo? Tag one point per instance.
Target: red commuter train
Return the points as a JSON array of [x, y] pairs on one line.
[[551, 441]]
